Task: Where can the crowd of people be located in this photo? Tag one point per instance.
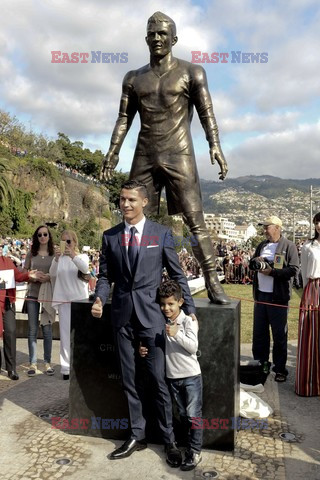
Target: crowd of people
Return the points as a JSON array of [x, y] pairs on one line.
[[231, 261], [17, 250], [77, 175], [189, 264]]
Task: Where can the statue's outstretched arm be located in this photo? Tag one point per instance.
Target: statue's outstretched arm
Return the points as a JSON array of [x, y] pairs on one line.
[[127, 111], [203, 104]]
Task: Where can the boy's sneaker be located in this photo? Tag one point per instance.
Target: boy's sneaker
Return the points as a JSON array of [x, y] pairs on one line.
[[191, 461], [49, 369], [32, 370]]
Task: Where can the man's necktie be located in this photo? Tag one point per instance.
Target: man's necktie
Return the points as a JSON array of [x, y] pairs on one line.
[[133, 249]]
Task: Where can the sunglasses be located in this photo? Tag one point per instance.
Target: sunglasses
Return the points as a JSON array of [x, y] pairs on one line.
[[68, 241], [42, 235]]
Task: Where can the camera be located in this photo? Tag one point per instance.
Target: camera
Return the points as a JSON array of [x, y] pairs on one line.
[[256, 264]]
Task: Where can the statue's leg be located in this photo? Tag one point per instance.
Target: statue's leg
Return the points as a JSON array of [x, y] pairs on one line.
[[203, 251]]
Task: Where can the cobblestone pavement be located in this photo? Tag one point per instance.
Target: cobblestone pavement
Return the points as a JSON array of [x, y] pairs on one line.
[[30, 448]]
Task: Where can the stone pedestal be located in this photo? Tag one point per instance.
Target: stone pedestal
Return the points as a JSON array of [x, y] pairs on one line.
[[219, 349], [96, 395]]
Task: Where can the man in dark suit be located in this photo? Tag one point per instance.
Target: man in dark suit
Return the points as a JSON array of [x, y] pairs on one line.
[[133, 260]]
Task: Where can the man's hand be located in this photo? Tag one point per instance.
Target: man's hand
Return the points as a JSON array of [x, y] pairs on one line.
[[97, 308], [216, 154], [143, 351], [193, 316], [110, 162], [266, 271]]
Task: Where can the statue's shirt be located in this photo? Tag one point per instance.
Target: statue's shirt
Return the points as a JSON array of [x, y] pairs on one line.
[[165, 104]]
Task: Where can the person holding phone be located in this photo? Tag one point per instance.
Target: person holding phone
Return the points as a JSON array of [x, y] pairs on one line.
[[39, 258], [67, 287]]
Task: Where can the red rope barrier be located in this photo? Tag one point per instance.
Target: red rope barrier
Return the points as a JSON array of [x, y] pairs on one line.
[[42, 301], [311, 307]]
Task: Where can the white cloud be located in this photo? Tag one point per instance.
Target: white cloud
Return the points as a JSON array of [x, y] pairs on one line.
[[79, 99], [252, 122], [287, 154]]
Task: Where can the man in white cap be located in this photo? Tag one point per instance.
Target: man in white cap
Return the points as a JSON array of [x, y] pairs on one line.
[[272, 286]]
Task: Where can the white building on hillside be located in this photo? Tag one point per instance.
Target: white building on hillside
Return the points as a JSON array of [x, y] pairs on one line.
[[227, 230], [221, 226], [246, 231]]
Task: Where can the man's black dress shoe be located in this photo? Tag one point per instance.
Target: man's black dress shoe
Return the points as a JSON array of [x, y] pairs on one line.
[[191, 461], [174, 457], [128, 448], [13, 375]]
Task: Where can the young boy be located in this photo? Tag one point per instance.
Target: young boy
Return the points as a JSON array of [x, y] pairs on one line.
[[182, 367]]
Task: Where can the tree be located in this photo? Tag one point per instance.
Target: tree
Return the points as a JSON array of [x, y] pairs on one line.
[[9, 128], [91, 162], [114, 186], [256, 240], [7, 192], [55, 152]]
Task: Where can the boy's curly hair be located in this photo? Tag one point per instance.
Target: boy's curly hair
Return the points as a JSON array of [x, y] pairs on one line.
[[170, 288]]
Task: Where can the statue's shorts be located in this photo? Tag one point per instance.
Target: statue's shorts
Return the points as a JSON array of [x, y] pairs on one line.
[[177, 173]]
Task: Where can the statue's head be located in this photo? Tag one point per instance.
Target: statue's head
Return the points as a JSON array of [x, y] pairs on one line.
[[160, 17], [161, 34]]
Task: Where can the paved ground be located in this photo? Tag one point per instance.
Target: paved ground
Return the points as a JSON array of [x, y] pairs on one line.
[[30, 448]]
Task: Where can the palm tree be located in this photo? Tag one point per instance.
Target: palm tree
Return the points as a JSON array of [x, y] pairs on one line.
[[6, 189]]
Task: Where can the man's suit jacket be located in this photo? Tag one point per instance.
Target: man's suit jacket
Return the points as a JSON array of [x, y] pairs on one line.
[[138, 292]]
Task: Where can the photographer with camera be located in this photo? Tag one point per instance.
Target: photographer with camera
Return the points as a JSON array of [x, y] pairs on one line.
[[275, 264]]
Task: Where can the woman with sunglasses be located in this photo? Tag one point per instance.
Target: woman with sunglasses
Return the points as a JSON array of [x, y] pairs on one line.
[[39, 258], [68, 287]]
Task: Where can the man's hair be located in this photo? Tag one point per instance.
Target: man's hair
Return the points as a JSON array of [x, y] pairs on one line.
[[160, 17], [136, 185], [170, 288]]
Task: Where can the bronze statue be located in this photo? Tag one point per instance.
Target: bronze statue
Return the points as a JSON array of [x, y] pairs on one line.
[[164, 93]]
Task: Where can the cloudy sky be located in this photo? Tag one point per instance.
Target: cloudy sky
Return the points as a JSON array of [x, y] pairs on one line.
[[268, 113]]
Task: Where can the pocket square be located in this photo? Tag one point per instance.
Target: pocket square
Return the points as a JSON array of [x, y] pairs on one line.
[[152, 246]]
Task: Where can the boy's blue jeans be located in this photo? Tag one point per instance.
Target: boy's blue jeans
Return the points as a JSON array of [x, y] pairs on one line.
[[187, 392]]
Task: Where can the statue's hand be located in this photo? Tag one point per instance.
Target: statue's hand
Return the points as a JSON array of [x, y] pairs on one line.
[[217, 154], [110, 162]]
